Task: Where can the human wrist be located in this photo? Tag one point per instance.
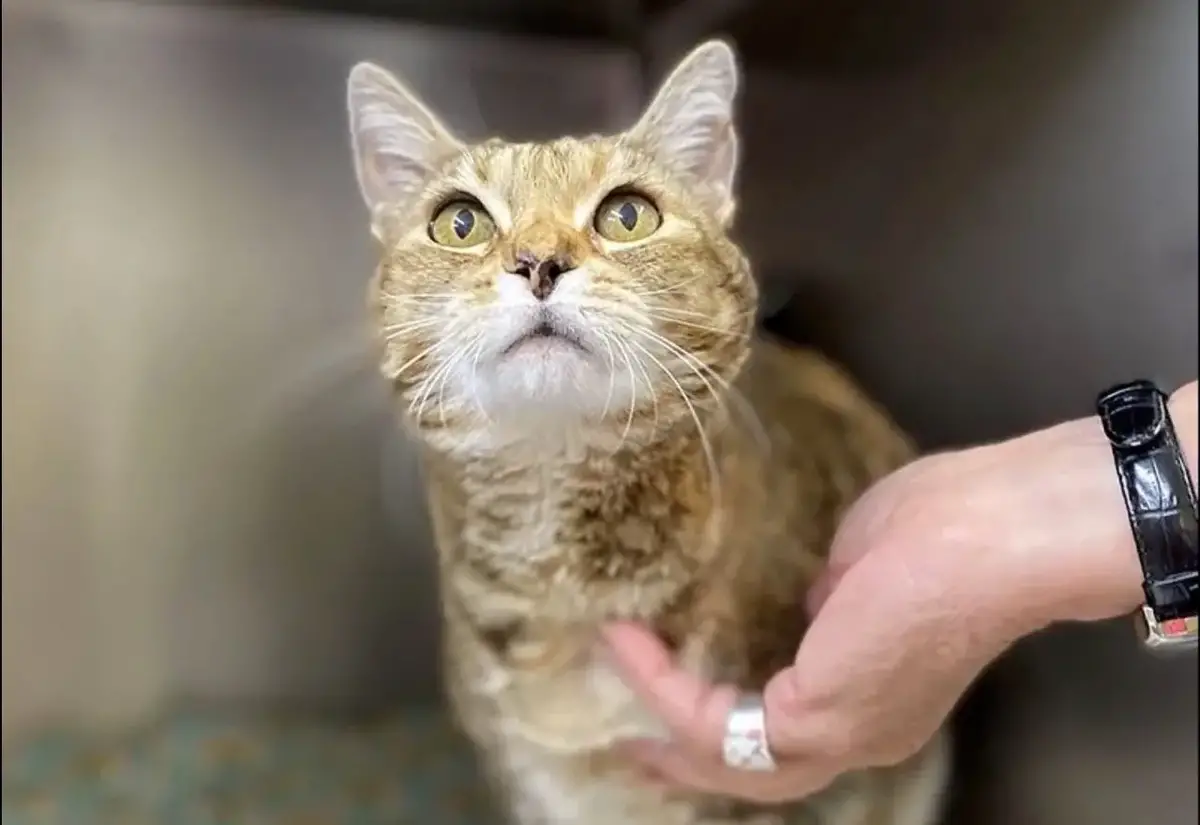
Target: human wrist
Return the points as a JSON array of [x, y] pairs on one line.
[[1074, 557]]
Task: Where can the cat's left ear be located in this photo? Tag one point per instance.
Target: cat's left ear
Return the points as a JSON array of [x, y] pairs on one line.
[[689, 125]]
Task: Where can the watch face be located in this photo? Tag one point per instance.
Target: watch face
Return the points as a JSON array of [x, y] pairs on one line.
[[1132, 417]]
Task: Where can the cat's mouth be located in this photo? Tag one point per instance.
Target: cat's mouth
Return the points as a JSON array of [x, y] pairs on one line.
[[547, 334]]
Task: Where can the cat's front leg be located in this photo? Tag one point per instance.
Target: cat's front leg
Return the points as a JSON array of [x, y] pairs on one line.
[[597, 788]]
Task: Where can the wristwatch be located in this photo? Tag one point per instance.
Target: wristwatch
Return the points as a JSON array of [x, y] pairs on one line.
[[1160, 501]]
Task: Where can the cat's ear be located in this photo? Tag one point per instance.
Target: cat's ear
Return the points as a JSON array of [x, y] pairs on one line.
[[689, 126], [398, 143]]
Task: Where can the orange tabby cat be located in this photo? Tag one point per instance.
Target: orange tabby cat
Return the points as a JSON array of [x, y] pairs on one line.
[[568, 330]]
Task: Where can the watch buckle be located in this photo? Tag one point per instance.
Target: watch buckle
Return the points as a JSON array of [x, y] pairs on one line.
[[1167, 636]]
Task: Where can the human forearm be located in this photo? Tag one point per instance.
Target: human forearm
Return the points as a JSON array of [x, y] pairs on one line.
[[1187, 421]]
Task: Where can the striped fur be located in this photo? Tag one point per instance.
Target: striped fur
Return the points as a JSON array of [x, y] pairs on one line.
[[671, 468]]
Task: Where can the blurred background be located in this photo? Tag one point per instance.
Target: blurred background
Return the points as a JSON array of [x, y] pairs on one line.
[[987, 209]]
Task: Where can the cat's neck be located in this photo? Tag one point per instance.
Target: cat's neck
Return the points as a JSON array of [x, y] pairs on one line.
[[595, 457], [595, 520]]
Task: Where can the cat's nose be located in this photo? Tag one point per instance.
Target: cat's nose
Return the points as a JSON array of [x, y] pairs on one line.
[[542, 273]]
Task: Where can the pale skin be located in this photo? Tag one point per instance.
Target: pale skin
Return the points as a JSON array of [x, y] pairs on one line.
[[935, 572]]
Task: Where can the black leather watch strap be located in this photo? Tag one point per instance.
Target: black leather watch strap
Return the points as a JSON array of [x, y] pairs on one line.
[[1161, 503]]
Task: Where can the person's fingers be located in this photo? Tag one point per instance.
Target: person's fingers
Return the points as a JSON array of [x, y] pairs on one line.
[[694, 712], [790, 781]]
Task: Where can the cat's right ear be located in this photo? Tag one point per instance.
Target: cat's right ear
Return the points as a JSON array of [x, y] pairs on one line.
[[689, 124], [398, 143]]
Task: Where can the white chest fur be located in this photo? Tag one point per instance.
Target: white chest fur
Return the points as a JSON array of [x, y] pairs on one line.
[[581, 708], [553, 687]]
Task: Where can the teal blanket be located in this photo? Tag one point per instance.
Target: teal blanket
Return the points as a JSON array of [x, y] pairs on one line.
[[209, 769]]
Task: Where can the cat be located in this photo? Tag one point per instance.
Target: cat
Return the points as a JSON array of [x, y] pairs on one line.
[[568, 331]]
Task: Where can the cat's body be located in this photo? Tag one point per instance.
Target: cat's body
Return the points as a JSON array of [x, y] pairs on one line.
[[569, 328], [534, 557]]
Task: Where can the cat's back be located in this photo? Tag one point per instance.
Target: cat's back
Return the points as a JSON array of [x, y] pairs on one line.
[[809, 442], [812, 413]]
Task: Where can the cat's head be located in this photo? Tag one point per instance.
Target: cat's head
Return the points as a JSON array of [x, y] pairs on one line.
[[585, 284]]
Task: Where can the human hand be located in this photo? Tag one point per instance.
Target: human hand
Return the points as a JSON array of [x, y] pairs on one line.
[[933, 573]]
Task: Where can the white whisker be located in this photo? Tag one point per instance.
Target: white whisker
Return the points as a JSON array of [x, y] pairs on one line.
[[672, 288], [455, 358], [430, 382], [417, 296], [713, 474], [398, 330], [624, 350], [688, 312], [612, 371], [474, 379], [688, 359], [649, 386], [446, 339], [699, 368], [703, 327], [427, 351]]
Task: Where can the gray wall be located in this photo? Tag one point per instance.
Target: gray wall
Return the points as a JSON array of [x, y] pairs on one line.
[[202, 495], [1001, 227], [987, 238]]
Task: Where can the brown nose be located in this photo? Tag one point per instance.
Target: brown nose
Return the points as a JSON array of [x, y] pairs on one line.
[[542, 273]]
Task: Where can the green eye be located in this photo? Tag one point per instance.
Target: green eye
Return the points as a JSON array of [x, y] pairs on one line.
[[461, 224], [626, 218]]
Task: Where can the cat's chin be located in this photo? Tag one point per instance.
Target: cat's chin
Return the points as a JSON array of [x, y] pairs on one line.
[[549, 395], [545, 397], [544, 380]]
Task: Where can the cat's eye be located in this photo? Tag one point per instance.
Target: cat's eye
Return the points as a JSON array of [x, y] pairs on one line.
[[625, 217], [461, 224]]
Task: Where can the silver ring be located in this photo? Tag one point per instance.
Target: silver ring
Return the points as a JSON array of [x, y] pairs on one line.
[[745, 744]]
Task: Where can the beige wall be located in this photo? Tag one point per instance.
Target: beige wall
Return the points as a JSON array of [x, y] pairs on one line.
[[192, 429]]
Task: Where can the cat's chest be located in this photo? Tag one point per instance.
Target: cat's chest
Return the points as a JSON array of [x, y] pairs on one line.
[[531, 585], [575, 554]]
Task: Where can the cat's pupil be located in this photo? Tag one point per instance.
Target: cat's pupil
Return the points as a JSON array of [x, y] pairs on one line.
[[627, 214], [464, 222]]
